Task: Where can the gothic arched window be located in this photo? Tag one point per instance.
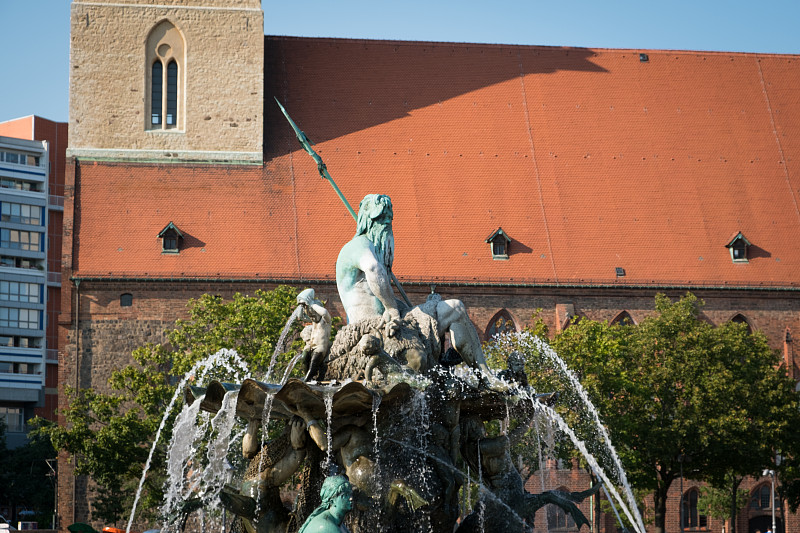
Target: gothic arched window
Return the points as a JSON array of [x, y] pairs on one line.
[[623, 319], [165, 52], [501, 322], [741, 319], [692, 518], [558, 520]]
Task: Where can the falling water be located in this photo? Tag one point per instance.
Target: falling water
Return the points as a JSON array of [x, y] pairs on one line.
[[290, 367], [282, 339], [527, 341], [376, 402], [540, 457], [214, 473], [422, 424], [598, 471], [180, 449], [481, 508], [482, 489], [329, 420], [266, 413], [220, 358]]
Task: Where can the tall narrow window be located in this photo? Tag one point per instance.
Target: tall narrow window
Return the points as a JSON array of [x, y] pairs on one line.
[[693, 518], [156, 92], [165, 57], [172, 93]]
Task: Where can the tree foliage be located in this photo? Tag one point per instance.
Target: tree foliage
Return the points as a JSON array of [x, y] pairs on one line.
[[109, 434], [25, 477]]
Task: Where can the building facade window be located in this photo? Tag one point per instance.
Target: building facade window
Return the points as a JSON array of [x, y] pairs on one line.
[[19, 318], [14, 291], [20, 262], [16, 341], [623, 319], [156, 90], [18, 368], [171, 238], [500, 323], [21, 240], [164, 55], [21, 159], [741, 319], [692, 518], [13, 418], [760, 498], [738, 247], [172, 93], [559, 520], [499, 243], [22, 213], [21, 185], [126, 300]]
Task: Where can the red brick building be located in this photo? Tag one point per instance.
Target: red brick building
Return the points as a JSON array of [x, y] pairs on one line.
[[613, 174]]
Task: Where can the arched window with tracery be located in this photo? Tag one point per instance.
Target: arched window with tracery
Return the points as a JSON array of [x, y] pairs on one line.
[[741, 319], [164, 55], [760, 498], [693, 519], [623, 319], [500, 323]]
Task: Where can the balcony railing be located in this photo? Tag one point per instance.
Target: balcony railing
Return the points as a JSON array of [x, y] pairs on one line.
[[54, 277], [55, 201]]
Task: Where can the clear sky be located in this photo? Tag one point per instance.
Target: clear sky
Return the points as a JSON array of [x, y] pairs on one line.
[[34, 34]]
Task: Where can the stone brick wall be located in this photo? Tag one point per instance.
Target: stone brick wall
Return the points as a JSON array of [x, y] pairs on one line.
[[224, 41]]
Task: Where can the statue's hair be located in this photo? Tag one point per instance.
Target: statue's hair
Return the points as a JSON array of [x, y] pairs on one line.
[[379, 234]]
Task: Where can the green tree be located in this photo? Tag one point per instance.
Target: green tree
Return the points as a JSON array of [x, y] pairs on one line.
[[717, 502], [109, 434], [24, 475]]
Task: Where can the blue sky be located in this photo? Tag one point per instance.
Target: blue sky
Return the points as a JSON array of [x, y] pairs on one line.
[[34, 36]]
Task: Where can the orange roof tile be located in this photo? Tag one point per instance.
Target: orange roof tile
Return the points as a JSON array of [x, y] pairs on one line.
[[589, 159]]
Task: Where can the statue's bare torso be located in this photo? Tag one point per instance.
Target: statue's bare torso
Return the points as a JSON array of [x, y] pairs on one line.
[[363, 283]]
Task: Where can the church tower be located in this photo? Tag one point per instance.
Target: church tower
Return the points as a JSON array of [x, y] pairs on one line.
[[173, 80]]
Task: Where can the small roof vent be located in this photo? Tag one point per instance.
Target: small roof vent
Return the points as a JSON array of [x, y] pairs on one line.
[[170, 239], [738, 247], [499, 242]]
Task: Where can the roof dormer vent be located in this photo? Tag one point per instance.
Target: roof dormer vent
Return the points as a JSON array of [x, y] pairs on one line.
[[738, 247], [499, 241], [171, 238]]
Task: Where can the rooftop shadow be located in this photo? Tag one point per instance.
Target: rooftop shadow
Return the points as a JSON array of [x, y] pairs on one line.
[[333, 87]]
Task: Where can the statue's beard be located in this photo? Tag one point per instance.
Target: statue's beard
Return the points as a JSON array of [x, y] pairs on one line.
[[382, 239]]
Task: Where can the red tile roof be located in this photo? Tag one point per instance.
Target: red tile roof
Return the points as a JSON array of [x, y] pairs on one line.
[[589, 160]]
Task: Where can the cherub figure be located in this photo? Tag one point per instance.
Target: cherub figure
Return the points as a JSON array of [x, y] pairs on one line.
[[317, 335]]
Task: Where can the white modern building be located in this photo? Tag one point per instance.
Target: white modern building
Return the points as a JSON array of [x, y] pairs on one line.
[[23, 282]]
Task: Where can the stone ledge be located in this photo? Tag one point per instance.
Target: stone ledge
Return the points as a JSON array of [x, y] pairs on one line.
[[166, 156]]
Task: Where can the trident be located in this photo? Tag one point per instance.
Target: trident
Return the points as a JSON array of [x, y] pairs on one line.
[[323, 171]]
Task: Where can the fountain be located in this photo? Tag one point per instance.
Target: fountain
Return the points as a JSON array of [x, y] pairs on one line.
[[387, 431], [395, 422]]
